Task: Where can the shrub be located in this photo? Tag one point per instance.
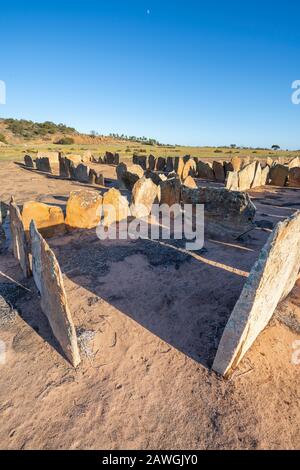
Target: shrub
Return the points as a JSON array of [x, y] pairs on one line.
[[3, 138], [65, 141]]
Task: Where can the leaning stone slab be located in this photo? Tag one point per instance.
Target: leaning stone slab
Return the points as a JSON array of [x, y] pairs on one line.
[[232, 181], [271, 279], [28, 161], [257, 177], [246, 176], [49, 219], [295, 162], [49, 281], [236, 163], [265, 175], [189, 169], [76, 159], [83, 209], [19, 243], [189, 182]]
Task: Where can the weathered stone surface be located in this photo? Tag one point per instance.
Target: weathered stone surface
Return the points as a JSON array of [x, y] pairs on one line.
[[236, 163], [72, 168], [43, 164], [295, 162], [232, 181], [82, 173], [189, 182], [246, 176], [160, 164], [144, 194], [49, 219], [19, 243], [128, 175], [257, 177], [294, 176], [278, 175], [28, 161], [170, 191], [151, 162], [154, 176], [83, 209], [269, 161], [64, 168], [54, 304], [115, 207], [219, 173], [265, 175], [271, 279], [190, 169], [52, 156], [109, 158], [205, 171], [228, 214]]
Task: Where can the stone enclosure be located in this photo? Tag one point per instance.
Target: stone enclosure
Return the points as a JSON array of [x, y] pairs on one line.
[[229, 213]]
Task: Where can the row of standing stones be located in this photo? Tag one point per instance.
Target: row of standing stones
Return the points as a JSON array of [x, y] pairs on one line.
[[239, 174]]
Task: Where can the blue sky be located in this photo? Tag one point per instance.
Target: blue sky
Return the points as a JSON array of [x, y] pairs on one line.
[[186, 72]]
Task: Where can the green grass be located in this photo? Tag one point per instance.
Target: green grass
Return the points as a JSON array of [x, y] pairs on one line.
[[17, 152]]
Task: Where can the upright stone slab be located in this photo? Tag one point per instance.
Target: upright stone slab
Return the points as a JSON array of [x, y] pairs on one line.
[[205, 171], [294, 177], [295, 162], [83, 209], [28, 161], [49, 281], [218, 169], [271, 279], [151, 162], [257, 177], [179, 166], [236, 163], [232, 181], [190, 169], [170, 191], [64, 168], [82, 173], [115, 207], [161, 164], [43, 164], [19, 243], [144, 194], [49, 219], [265, 175], [279, 175], [246, 176], [169, 164]]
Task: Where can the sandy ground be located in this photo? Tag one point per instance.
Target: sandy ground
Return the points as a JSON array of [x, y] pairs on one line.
[[149, 318]]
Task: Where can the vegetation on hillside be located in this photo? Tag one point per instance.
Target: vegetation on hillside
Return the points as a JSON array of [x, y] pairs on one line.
[[30, 129]]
